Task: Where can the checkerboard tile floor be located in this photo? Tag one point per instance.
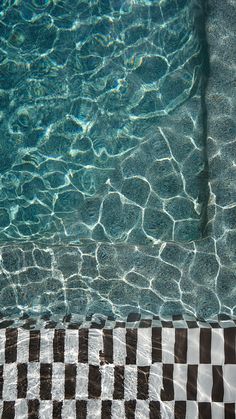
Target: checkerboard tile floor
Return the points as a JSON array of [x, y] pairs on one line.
[[141, 368]]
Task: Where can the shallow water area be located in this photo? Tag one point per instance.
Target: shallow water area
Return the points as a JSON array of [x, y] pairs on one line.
[[117, 209]]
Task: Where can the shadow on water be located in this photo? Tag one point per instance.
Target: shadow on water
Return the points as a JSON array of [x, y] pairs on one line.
[[201, 19]]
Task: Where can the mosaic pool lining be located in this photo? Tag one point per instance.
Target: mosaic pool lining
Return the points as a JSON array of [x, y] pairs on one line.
[[182, 369]]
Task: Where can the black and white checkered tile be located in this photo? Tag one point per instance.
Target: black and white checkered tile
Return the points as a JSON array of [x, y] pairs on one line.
[[120, 370]]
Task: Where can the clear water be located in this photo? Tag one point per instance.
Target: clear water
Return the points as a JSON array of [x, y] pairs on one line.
[[101, 121], [104, 173]]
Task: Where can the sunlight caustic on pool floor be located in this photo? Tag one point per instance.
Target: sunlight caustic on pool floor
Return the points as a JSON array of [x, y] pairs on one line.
[[102, 125]]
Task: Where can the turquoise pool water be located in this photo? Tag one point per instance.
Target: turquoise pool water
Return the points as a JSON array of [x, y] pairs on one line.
[[102, 124], [106, 202]]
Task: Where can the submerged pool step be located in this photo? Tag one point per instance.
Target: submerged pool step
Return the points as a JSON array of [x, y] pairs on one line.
[[181, 368]]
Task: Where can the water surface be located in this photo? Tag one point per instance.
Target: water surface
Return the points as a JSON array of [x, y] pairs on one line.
[[102, 123]]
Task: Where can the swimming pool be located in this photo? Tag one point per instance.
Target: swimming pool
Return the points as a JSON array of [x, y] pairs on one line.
[[117, 209], [111, 200]]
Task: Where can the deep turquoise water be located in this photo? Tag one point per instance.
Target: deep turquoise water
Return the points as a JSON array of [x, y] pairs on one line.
[[102, 125], [103, 160]]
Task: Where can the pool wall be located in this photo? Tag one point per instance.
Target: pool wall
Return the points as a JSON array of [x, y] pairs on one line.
[[167, 278]]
